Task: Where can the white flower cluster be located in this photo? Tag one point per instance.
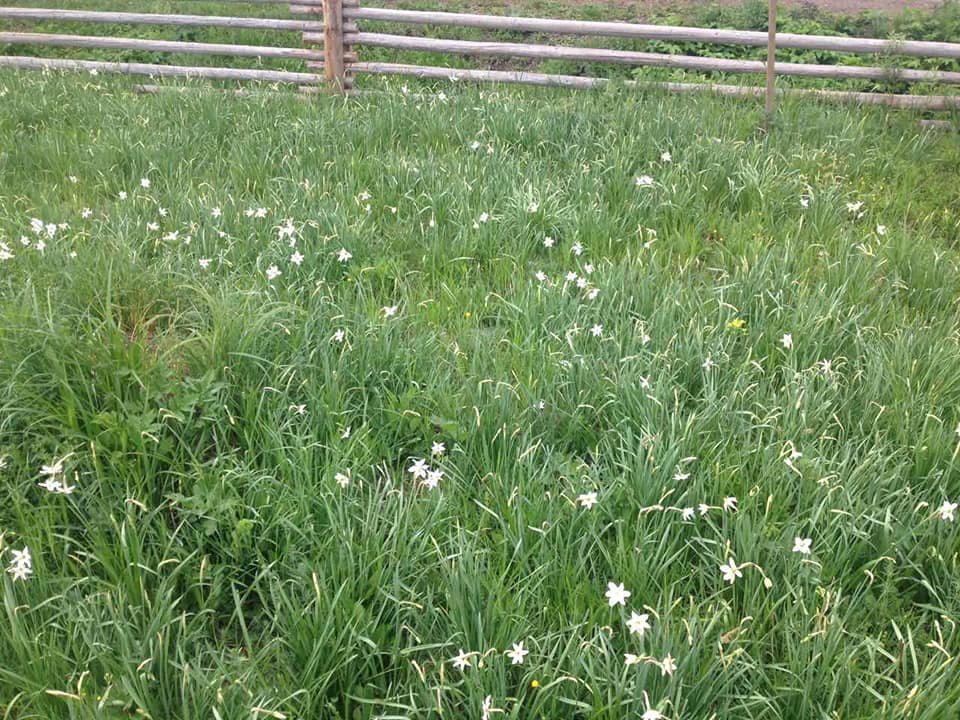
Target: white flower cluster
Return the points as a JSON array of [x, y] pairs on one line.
[[21, 565]]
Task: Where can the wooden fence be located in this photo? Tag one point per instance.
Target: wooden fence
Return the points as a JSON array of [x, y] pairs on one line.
[[330, 33]]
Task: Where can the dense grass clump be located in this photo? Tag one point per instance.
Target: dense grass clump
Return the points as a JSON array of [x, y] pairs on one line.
[[490, 404]]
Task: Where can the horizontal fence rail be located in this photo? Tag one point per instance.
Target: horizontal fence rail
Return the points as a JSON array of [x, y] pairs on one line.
[[125, 18], [916, 102], [658, 32], [197, 48], [626, 57], [210, 73], [330, 35]]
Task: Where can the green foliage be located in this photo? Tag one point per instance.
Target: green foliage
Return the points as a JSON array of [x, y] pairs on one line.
[[244, 537]]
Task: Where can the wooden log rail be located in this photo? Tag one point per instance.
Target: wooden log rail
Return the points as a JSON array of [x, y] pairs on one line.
[[624, 57], [658, 32], [914, 102], [125, 18], [210, 73], [195, 48]]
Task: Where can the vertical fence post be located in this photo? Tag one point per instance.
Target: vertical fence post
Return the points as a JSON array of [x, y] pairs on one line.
[[333, 64], [771, 62]]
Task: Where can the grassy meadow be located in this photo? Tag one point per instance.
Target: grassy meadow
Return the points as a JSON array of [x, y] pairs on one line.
[[490, 404]]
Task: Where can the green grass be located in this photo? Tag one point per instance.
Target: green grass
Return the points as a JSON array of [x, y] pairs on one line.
[[209, 565]]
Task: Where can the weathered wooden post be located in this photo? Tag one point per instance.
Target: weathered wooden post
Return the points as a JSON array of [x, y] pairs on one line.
[[333, 64], [771, 63]]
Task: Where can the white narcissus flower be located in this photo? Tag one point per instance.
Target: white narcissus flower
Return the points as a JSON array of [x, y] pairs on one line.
[[577, 248], [52, 470], [666, 157], [730, 571], [273, 272], [339, 336], [204, 263], [343, 479], [144, 183], [787, 341], [462, 660], [541, 276], [344, 255], [631, 659], [638, 623], [487, 709], [21, 564], [881, 230], [947, 510], [287, 230], [51, 484], [296, 258], [419, 469], [668, 665], [433, 479], [437, 449], [802, 545], [687, 513], [587, 500], [596, 330], [548, 242], [517, 653], [390, 310], [60, 487], [616, 594], [644, 181], [730, 503]]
